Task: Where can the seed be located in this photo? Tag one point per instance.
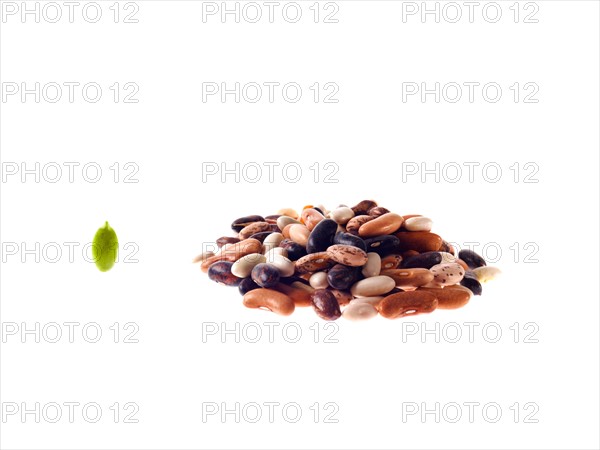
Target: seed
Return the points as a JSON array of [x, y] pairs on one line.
[[105, 248]]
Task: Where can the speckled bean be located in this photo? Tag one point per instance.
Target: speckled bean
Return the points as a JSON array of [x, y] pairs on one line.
[[254, 228], [226, 240], [314, 262], [363, 207], [356, 222], [447, 274], [347, 255]]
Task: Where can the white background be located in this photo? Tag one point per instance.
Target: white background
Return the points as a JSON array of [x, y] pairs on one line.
[[370, 134]]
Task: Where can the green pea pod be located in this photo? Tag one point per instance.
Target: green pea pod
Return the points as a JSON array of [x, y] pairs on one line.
[[105, 248]]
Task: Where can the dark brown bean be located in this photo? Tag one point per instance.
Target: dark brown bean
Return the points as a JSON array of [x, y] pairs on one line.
[[239, 224], [342, 277], [378, 211], [363, 207], [326, 305], [221, 273], [226, 240], [265, 275]]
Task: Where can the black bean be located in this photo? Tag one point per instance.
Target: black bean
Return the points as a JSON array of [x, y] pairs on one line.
[[472, 259], [321, 237], [470, 282], [239, 224], [342, 277], [424, 261], [295, 251], [247, 285], [350, 239], [383, 245]]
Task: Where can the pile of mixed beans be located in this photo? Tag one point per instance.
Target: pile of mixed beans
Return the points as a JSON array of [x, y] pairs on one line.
[[356, 262]]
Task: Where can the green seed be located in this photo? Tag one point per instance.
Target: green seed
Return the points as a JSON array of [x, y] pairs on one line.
[[105, 247]]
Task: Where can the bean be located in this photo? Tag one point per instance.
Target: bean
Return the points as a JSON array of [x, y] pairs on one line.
[[424, 260], [285, 266], [418, 224], [385, 224], [421, 241], [447, 274], [486, 273], [269, 299], [342, 297], [284, 221], [363, 207], [359, 311], [356, 222], [239, 224], [373, 286], [221, 273], [321, 237], [311, 217], [349, 239], [253, 228], [247, 285], [299, 234], [318, 280], [105, 247], [261, 236], [383, 245], [347, 255], [326, 305], [449, 297], [390, 262], [272, 219], [341, 276], [242, 268], [470, 282], [409, 278], [272, 241], [405, 304], [377, 211], [472, 259], [294, 251], [342, 215], [265, 275], [275, 251], [313, 262], [373, 301], [226, 240], [372, 266]]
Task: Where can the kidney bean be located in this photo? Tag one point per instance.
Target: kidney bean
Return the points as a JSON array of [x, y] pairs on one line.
[[294, 251], [342, 277], [271, 300], [363, 207], [326, 305], [470, 282], [321, 237], [239, 224], [226, 240], [472, 259], [350, 239], [221, 273], [383, 245], [261, 236], [424, 260], [246, 285], [405, 304], [265, 275]]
